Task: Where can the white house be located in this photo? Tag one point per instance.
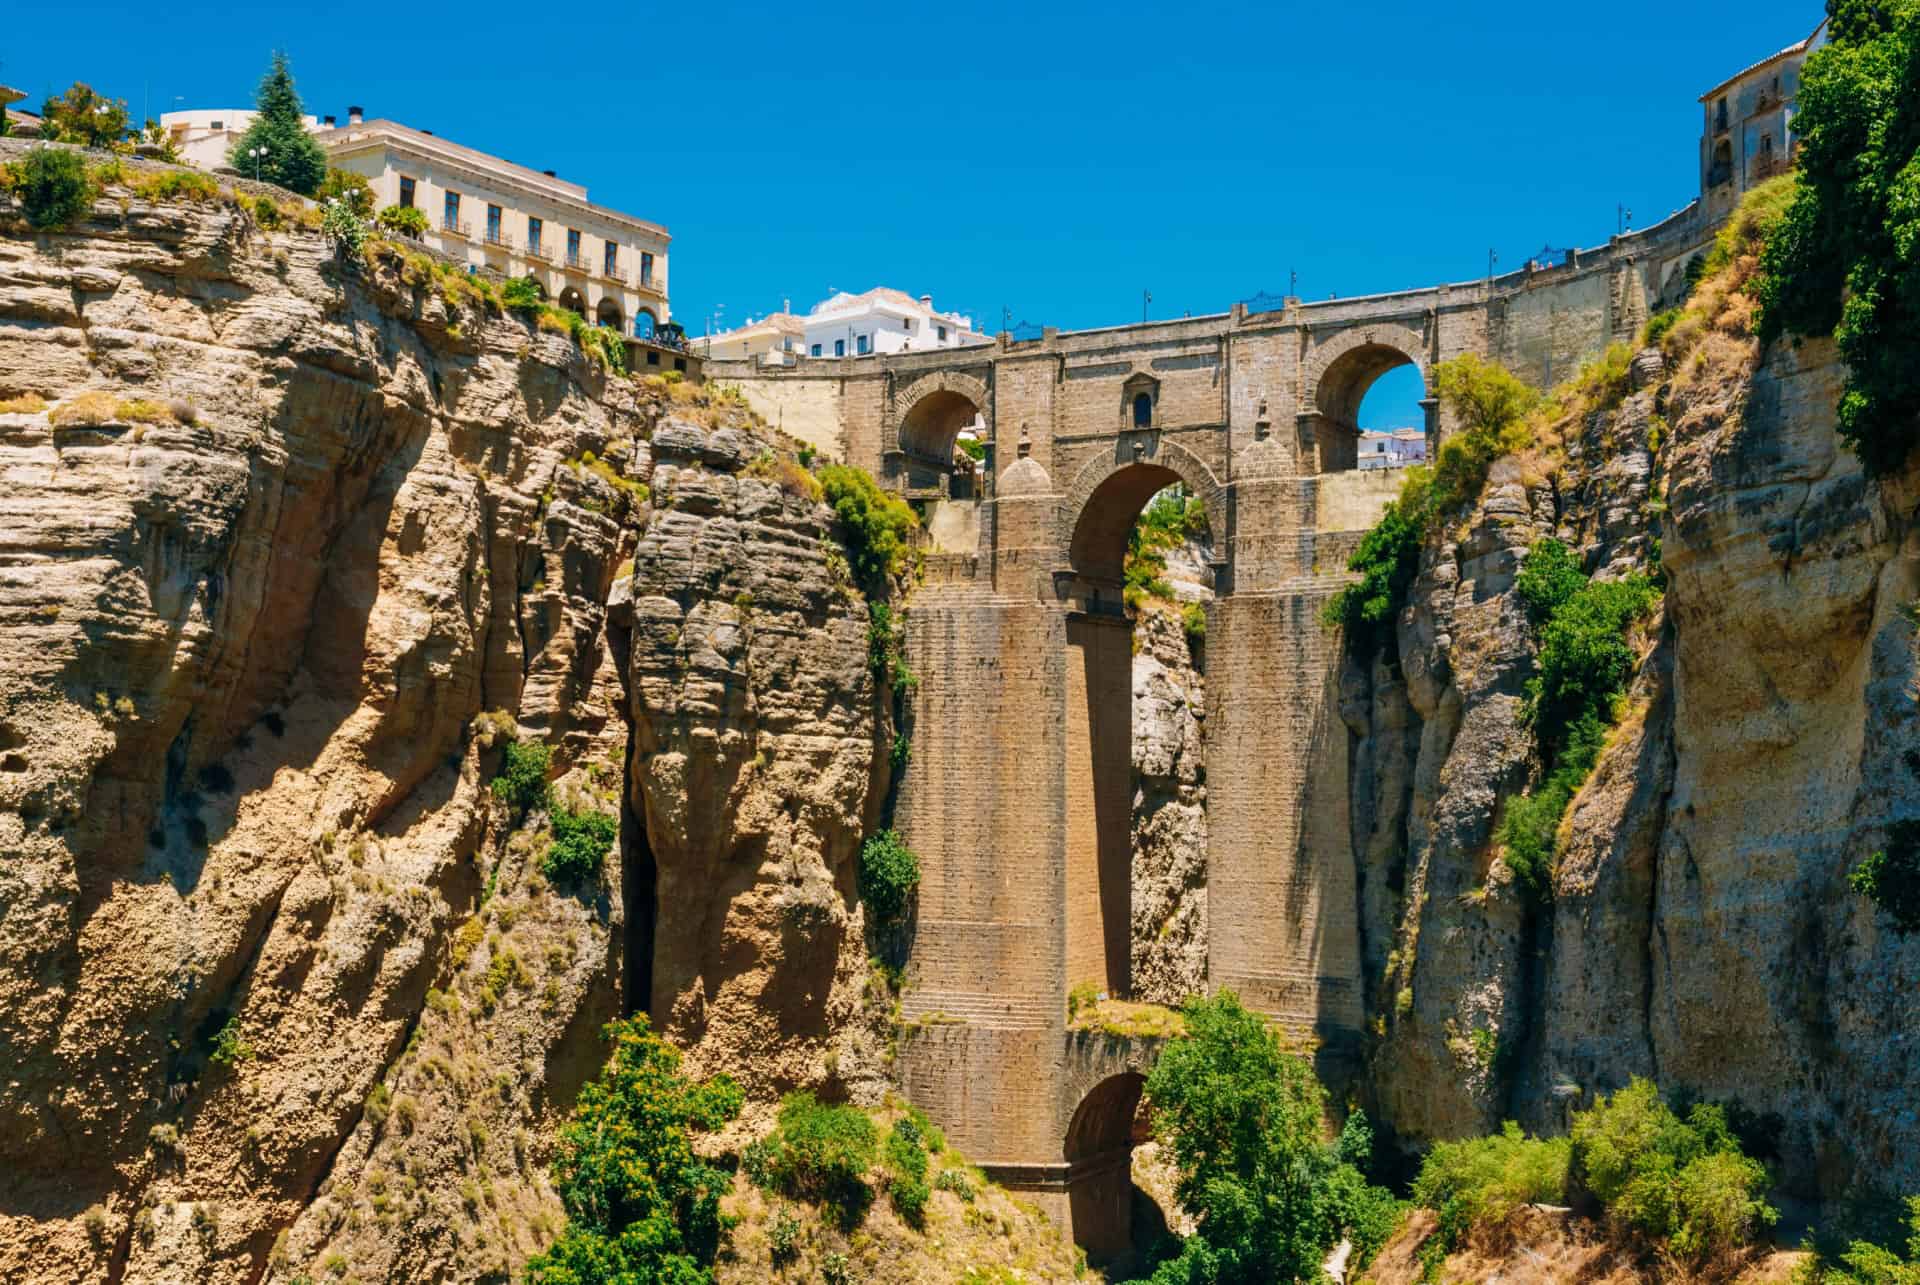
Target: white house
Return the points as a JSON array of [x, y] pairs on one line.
[[883, 321]]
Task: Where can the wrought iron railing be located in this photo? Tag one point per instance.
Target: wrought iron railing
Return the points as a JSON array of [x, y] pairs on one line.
[[534, 250], [1024, 331], [579, 262], [502, 239], [1264, 302], [456, 227]]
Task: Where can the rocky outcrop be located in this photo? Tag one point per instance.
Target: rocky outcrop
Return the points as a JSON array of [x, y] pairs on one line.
[[282, 985], [1169, 886], [1701, 930]]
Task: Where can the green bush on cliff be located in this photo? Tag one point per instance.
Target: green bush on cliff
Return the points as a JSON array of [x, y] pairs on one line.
[[907, 1186], [581, 842], [1584, 662], [1242, 1118], [522, 781], [52, 186], [406, 220], [889, 876], [822, 1153], [1480, 1182], [876, 528], [1684, 1182], [1890, 878], [1845, 259], [1864, 1261], [641, 1206]]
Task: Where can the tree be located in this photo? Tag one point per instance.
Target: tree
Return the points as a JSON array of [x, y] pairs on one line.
[[293, 159], [1243, 1119], [641, 1206], [1845, 260], [82, 116], [345, 185]]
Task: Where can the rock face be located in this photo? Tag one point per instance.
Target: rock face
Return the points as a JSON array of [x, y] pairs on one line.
[[1701, 929], [1169, 813], [282, 986]]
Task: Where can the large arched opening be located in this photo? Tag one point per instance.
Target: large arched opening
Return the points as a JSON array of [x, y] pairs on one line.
[[571, 300], [938, 410], [1102, 508], [1102, 1204], [1371, 407], [608, 314]]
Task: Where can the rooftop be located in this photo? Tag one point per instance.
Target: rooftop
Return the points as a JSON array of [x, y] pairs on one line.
[[422, 143], [1799, 47]]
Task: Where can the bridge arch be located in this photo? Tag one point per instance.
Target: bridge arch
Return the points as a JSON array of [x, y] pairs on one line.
[[1101, 1136], [1339, 373], [933, 409], [1108, 492]]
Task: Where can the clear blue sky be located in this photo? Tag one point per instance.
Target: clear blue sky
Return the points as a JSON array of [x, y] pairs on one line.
[[1053, 160]]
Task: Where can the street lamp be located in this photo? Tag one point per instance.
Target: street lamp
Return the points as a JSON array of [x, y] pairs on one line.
[[258, 154]]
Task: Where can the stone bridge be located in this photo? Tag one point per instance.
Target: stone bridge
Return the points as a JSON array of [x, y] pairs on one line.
[[1019, 797]]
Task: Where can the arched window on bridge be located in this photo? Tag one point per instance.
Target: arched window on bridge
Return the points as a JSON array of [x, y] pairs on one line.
[[1143, 410]]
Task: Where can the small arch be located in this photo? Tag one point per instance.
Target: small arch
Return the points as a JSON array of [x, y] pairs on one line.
[[935, 408], [644, 323], [1341, 372], [609, 314], [1106, 1126], [570, 300]]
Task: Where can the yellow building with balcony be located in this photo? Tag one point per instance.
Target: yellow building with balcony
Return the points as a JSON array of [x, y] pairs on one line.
[[607, 266]]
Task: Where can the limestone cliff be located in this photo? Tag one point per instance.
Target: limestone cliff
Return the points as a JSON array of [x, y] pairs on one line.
[[282, 986], [1700, 929]]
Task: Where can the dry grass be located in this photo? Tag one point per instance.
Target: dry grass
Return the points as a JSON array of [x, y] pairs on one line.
[[89, 409], [24, 404]]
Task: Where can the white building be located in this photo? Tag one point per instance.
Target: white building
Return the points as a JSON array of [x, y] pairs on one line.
[[1749, 134], [883, 321], [1392, 448], [491, 214]]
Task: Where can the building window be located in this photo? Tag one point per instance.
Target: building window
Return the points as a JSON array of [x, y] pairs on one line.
[[406, 191], [612, 260], [839, 347], [493, 224], [940, 333], [909, 324], [786, 345], [1143, 410], [573, 246], [646, 268], [815, 351], [860, 345], [451, 219], [643, 324], [533, 234], [1720, 117]]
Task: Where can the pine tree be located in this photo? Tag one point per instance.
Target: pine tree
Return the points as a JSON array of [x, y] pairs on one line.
[[293, 159]]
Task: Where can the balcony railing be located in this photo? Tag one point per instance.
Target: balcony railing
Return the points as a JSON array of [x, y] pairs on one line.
[[502, 239], [534, 250], [454, 227], [611, 271], [579, 262], [652, 283]]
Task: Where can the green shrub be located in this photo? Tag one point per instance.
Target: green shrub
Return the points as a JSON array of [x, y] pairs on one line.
[[352, 189], [1584, 662], [522, 294], [1683, 1181], [229, 1048], [889, 876], [1657, 327], [522, 782], [956, 1181], [876, 528], [783, 1238], [1479, 1182], [406, 220], [1869, 1261], [823, 1154], [641, 1205], [581, 842], [343, 226], [85, 117], [1845, 258], [1193, 619], [52, 186], [176, 186], [907, 1186], [1242, 1120], [1489, 405], [1890, 878]]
